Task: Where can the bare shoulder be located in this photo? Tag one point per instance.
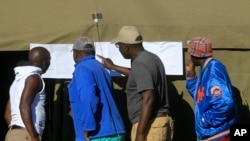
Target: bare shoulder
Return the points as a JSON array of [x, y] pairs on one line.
[[33, 82]]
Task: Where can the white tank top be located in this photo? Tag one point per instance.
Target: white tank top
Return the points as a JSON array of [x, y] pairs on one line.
[[37, 107]]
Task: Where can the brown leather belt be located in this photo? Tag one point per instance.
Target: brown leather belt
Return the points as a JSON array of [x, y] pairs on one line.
[[163, 115], [16, 127]]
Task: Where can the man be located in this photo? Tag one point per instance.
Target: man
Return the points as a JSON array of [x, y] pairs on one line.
[[146, 88], [215, 109], [27, 98], [94, 111], [7, 114]]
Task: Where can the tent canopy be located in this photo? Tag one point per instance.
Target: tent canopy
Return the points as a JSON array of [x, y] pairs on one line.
[[226, 22]]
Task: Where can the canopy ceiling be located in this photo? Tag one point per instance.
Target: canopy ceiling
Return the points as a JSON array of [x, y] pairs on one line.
[[226, 22]]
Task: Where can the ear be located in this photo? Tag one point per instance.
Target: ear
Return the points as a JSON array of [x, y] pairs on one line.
[[75, 56], [43, 65]]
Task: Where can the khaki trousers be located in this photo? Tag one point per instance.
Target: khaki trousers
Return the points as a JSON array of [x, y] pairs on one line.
[[18, 135], [159, 129]]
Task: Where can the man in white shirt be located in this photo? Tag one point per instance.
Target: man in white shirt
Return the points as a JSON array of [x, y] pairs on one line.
[[27, 98]]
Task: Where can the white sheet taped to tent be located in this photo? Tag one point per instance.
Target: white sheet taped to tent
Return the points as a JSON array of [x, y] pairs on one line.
[[62, 64]]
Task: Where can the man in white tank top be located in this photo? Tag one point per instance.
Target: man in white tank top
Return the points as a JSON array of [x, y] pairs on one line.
[[27, 98]]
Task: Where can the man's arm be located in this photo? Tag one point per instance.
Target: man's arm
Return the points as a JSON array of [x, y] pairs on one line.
[[88, 99], [222, 104], [191, 78], [108, 63], [148, 98], [32, 86], [7, 114]]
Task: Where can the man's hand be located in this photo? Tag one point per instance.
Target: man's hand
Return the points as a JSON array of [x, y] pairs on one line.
[[190, 69], [140, 137], [86, 135], [35, 138], [106, 62]]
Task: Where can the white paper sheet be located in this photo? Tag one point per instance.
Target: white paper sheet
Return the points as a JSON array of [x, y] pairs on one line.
[[62, 63]]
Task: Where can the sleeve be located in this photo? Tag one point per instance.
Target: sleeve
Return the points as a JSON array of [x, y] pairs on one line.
[[191, 86], [221, 101], [88, 99], [143, 77]]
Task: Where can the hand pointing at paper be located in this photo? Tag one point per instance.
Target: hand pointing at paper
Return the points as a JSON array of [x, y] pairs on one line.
[[108, 63]]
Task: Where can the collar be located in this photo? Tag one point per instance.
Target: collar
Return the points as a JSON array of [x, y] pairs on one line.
[[89, 57], [206, 62]]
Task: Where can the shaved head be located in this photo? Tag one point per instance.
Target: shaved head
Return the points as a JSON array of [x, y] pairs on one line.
[[39, 57]]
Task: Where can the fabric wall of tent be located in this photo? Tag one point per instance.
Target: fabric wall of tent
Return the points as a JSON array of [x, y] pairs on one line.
[[225, 22]]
